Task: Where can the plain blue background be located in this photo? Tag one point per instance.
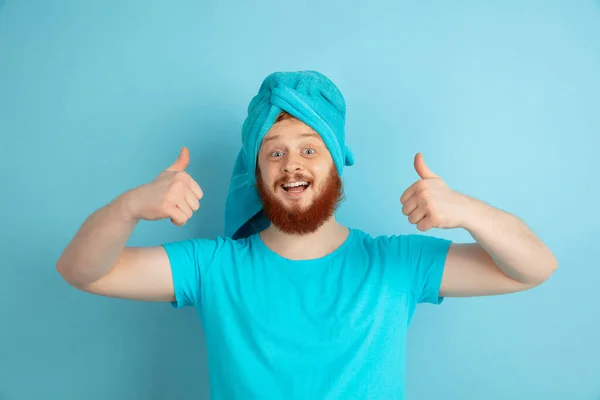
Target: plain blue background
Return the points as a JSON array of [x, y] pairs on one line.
[[502, 97]]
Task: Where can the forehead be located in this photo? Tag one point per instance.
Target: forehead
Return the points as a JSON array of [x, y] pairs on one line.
[[290, 129]]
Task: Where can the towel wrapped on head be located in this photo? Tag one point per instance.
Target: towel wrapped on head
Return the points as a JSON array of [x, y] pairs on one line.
[[308, 96]]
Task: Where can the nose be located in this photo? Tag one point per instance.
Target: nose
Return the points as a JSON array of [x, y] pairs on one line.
[[292, 164]]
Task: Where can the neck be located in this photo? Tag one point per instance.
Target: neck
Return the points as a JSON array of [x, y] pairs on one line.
[[317, 244]]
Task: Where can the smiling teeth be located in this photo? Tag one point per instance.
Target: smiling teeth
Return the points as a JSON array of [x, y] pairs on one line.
[[294, 184]]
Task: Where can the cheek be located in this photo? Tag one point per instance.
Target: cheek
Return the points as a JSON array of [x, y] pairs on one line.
[[323, 167], [268, 177], [322, 172]]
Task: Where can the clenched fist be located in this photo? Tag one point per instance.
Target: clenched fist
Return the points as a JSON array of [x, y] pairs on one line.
[[172, 194], [430, 203]]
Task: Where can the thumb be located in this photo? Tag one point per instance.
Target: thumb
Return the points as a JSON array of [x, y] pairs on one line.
[[422, 168], [182, 161]]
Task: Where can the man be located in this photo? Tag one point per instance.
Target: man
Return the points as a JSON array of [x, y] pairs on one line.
[[294, 304]]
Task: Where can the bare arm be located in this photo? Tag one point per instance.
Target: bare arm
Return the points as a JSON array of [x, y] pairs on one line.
[[507, 256], [97, 261]]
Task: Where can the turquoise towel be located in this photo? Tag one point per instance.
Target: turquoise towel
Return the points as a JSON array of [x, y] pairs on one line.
[[307, 95]]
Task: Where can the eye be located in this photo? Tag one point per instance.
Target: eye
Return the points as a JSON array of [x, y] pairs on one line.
[[309, 151], [276, 154]]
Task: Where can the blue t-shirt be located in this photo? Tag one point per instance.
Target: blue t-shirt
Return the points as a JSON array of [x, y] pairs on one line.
[[328, 328]]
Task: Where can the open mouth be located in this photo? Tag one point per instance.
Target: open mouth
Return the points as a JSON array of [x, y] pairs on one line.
[[295, 187]]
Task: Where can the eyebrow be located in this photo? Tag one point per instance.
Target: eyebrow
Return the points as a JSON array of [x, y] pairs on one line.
[[306, 134]]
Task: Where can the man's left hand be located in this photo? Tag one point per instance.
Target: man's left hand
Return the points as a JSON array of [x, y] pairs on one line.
[[430, 203]]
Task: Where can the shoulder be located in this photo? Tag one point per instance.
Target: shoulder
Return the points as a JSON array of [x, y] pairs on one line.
[[409, 245], [378, 240], [207, 248]]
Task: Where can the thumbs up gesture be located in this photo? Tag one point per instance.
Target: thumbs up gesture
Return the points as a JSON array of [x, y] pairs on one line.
[[430, 203], [172, 194]]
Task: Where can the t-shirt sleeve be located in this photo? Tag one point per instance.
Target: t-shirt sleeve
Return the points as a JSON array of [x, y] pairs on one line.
[[190, 260], [425, 257]]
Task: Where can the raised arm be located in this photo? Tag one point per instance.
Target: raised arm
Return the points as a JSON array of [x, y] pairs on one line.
[[97, 259], [506, 256]]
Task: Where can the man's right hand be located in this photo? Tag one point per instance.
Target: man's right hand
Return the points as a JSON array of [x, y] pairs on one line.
[[173, 194]]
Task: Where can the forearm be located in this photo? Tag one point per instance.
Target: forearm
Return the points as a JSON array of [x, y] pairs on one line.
[[512, 245], [96, 246]]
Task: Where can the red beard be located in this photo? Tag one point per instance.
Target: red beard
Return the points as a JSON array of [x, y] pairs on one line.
[[296, 220]]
